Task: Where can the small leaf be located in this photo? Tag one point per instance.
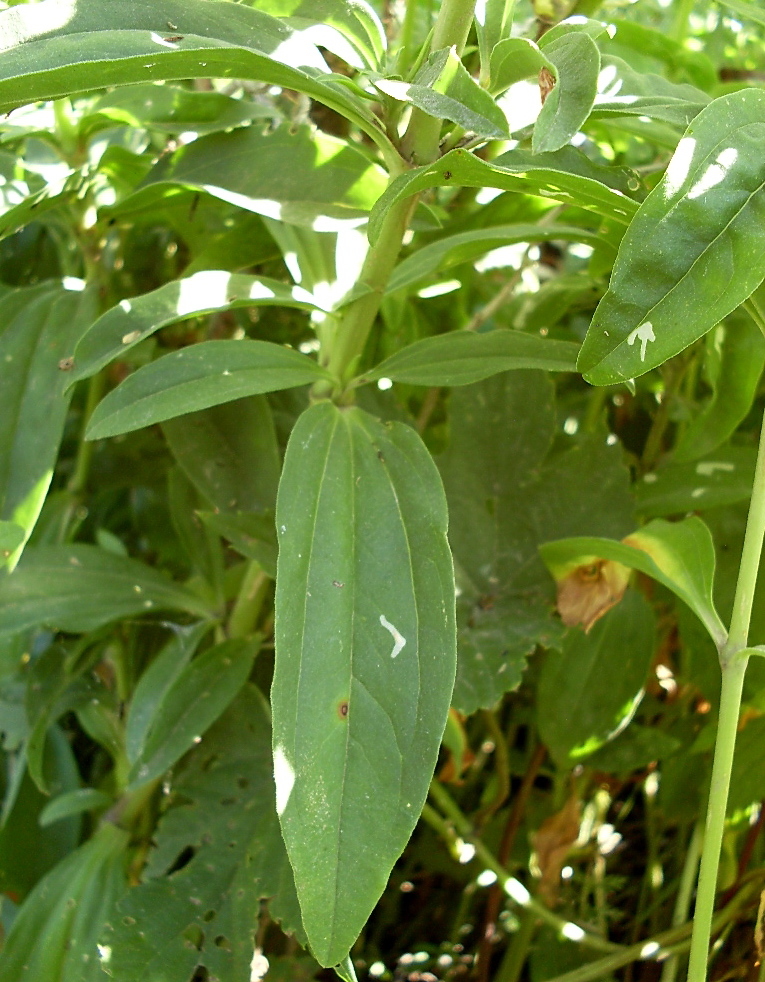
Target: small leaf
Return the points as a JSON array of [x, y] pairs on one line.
[[122, 327], [199, 377], [723, 478], [694, 251], [680, 555], [73, 803], [79, 588], [462, 357], [514, 59], [589, 690], [577, 63], [443, 88], [190, 704], [365, 655]]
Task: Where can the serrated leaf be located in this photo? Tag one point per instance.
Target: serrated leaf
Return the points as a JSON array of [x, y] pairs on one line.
[[566, 176], [222, 809], [506, 492], [230, 454], [577, 63], [190, 703], [155, 683], [722, 478], [694, 251], [79, 588], [462, 357], [453, 250], [589, 690], [41, 326], [443, 88], [130, 321], [198, 377], [365, 655], [680, 555]]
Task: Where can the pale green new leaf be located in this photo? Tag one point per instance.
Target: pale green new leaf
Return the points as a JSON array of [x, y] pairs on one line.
[[365, 659], [695, 250], [493, 20], [462, 357], [577, 63], [79, 588], [130, 321], [680, 555], [198, 377]]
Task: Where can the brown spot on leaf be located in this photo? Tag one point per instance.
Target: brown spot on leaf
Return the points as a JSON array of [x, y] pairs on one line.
[[342, 709], [546, 83], [66, 364], [587, 592]]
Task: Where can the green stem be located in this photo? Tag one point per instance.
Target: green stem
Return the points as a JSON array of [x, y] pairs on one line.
[[514, 958], [249, 602], [79, 478], [683, 10], [685, 894]]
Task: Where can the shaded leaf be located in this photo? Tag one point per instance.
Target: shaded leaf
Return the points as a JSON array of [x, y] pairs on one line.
[[462, 357], [11, 537], [252, 534], [694, 251], [723, 478], [73, 803], [198, 377], [364, 659], [79, 588], [577, 62]]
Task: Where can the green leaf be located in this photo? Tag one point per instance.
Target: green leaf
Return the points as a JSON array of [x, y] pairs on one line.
[[191, 703], [35, 205], [252, 535], [747, 9], [230, 454], [40, 327], [493, 21], [566, 176], [680, 555], [634, 749], [453, 250], [365, 655], [514, 59], [443, 88], [54, 936], [723, 478], [577, 63], [589, 690], [622, 91], [303, 177], [695, 250], [747, 784], [73, 803], [221, 809], [199, 377], [79, 588], [462, 357], [11, 537], [506, 492], [57, 50], [122, 327], [735, 356], [156, 682]]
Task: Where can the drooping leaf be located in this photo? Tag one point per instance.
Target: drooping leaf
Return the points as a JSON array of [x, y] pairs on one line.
[[680, 555], [40, 327], [189, 704], [364, 659], [54, 936], [722, 478], [577, 62], [566, 176], [462, 357], [506, 493], [444, 88], [694, 251], [198, 377], [230, 454], [78, 588], [589, 689], [222, 809], [130, 321]]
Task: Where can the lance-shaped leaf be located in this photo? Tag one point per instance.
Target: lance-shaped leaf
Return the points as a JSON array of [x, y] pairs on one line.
[[40, 327], [443, 88], [463, 357], [53, 49], [365, 659], [622, 91], [695, 250], [78, 588], [722, 478], [122, 327], [493, 21], [198, 377], [11, 537], [577, 62], [566, 175], [680, 555]]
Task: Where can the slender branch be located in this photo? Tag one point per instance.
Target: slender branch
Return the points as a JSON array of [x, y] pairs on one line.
[[685, 894]]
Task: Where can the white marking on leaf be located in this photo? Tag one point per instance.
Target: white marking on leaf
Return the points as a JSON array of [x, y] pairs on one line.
[[398, 639], [645, 333], [707, 467], [284, 778]]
